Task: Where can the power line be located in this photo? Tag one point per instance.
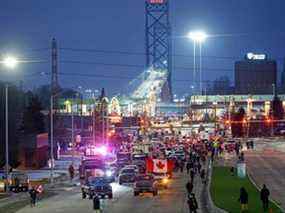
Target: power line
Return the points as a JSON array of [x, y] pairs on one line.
[[136, 65], [125, 77], [89, 50]]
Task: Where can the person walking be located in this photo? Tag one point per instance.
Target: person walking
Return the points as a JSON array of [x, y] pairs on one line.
[[192, 174], [96, 204], [189, 187], [203, 176], [192, 203], [71, 172], [188, 167], [182, 166], [264, 197], [33, 196], [243, 199]]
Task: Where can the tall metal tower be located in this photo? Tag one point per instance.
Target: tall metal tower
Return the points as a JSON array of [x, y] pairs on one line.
[[54, 73], [158, 41]]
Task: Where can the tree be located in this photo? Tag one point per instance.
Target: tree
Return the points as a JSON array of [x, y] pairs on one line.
[[237, 123], [276, 111], [16, 104], [33, 119], [221, 85]]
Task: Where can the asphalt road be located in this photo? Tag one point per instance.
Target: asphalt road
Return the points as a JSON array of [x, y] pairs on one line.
[[268, 167], [172, 200]]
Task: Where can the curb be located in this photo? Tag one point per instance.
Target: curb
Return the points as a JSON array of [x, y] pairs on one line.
[[258, 188], [210, 203]]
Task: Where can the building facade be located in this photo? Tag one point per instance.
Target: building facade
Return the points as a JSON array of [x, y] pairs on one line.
[[255, 75]]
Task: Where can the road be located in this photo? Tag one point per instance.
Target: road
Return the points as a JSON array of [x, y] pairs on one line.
[[268, 167], [172, 200]]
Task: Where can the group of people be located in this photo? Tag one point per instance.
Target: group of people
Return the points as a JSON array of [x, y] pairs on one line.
[[195, 166], [264, 197]]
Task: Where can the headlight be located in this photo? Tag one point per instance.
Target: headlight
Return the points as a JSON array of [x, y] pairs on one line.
[[164, 180], [109, 173]]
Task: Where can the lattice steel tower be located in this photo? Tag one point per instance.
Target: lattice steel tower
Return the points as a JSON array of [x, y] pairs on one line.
[[158, 41]]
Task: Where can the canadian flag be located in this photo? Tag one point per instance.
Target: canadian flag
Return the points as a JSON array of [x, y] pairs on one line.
[[159, 165]]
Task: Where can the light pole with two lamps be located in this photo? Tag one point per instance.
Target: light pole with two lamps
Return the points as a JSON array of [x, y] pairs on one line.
[[198, 37]]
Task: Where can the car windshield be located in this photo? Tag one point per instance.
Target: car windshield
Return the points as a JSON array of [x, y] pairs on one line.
[[144, 177], [96, 180], [124, 171]]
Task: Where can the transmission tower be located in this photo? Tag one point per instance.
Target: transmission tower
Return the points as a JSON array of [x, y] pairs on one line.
[[158, 41]]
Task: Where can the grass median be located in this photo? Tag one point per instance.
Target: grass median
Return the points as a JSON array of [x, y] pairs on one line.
[[225, 192]]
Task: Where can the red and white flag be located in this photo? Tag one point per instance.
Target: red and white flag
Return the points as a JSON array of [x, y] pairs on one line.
[[40, 189], [159, 166]]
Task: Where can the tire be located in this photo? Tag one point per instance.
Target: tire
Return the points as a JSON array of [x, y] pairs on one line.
[[110, 196], [120, 182], [136, 194], [154, 193], [90, 196]]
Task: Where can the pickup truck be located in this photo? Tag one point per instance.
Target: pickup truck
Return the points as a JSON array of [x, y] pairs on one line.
[[97, 186]]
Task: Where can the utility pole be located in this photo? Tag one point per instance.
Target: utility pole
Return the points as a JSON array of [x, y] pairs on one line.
[[54, 91], [72, 131], [103, 124], [93, 121], [51, 141], [7, 131]]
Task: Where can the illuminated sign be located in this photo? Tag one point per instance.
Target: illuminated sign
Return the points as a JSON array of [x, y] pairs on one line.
[[252, 56], [156, 1]]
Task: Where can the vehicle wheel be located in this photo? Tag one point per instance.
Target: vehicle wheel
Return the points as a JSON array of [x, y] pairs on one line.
[[154, 193], [136, 194], [90, 196], [110, 196], [120, 182], [83, 195]]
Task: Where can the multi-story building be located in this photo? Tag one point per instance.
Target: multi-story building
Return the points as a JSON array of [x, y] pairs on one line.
[[255, 75]]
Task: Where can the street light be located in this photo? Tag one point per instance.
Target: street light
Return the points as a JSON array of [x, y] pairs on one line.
[[10, 63], [198, 37]]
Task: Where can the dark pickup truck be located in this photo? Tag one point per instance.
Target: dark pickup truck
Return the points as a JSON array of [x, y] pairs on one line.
[[97, 186]]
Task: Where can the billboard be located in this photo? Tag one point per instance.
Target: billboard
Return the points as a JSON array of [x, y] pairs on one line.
[[252, 56]]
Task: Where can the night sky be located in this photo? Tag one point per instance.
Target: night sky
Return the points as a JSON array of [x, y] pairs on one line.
[[237, 27]]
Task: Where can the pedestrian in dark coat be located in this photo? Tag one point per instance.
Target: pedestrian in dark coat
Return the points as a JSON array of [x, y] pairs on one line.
[[192, 203], [192, 174], [96, 204], [203, 176], [243, 199], [182, 166], [33, 196], [189, 187], [188, 166], [264, 197]]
